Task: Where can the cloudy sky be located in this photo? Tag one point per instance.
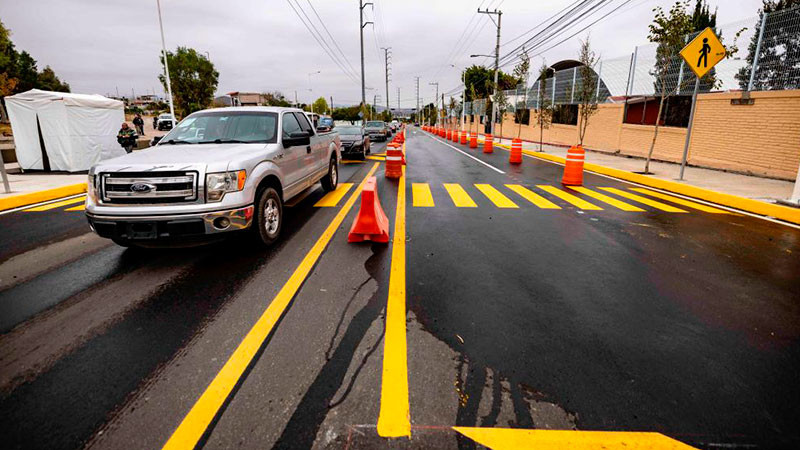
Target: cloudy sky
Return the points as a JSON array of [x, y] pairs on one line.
[[99, 46]]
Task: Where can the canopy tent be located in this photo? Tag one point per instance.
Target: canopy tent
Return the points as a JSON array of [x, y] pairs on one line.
[[62, 131]]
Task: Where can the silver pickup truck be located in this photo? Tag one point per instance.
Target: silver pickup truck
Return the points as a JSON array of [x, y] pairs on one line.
[[219, 170]]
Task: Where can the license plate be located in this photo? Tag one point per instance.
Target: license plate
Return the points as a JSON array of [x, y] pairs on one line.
[[142, 230]]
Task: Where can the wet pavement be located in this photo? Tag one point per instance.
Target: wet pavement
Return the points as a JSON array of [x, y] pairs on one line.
[[606, 315]]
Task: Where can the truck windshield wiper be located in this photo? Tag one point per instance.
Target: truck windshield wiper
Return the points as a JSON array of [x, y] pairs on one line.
[[176, 141], [226, 141]]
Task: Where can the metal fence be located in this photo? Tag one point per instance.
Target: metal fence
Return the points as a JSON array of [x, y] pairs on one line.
[[764, 55]]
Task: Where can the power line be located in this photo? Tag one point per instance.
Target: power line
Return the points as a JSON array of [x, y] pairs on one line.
[[456, 47], [331, 36]]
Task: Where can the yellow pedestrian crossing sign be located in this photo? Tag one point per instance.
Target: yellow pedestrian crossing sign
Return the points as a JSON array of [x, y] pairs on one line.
[[704, 52]]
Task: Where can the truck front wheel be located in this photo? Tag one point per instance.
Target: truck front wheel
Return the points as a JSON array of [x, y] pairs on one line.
[[268, 216]]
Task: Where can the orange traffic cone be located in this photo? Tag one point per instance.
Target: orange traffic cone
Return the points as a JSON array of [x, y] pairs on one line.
[[473, 140], [516, 152], [487, 144], [573, 169], [371, 223]]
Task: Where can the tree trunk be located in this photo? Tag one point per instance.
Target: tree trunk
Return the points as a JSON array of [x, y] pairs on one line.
[[541, 135], [655, 135]]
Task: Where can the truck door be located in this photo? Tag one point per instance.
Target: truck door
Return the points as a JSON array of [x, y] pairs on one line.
[[316, 158], [293, 162]]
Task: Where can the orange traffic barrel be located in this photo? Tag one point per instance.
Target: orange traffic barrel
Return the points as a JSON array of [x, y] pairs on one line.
[[463, 137], [573, 168], [455, 136], [394, 162], [473, 140], [516, 152], [448, 134], [487, 144]]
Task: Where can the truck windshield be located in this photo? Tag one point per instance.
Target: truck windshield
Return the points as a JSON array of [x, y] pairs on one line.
[[225, 127]]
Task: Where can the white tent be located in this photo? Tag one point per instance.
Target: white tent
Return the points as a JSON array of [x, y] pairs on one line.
[[61, 131]]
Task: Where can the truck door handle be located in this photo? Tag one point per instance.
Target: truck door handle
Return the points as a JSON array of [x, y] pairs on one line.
[[308, 149]]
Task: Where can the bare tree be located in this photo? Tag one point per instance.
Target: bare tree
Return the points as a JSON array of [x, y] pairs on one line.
[[587, 92], [545, 114], [521, 72], [501, 99]]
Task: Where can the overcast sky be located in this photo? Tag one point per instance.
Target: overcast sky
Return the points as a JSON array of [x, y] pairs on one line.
[[99, 46]]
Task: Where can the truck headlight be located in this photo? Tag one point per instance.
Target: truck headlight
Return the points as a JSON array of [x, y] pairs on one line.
[[91, 187], [219, 183]]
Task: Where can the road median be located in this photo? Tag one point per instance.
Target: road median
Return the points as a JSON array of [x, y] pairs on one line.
[[30, 198]]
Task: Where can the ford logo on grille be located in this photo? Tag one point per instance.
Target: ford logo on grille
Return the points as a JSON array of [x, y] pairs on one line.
[[142, 188]]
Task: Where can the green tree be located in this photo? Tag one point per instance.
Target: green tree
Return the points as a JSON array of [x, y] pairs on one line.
[[275, 98], [780, 47], [587, 89], [545, 114], [349, 113], [194, 80], [48, 81], [521, 73], [320, 106]]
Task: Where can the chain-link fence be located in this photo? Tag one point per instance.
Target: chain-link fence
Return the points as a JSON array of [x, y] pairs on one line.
[[764, 54]]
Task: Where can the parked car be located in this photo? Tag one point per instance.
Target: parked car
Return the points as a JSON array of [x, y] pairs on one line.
[[377, 130], [355, 141], [165, 122], [220, 170]]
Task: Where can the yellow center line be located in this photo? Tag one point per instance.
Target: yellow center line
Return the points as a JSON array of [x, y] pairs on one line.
[[569, 198], [533, 197], [57, 204], [644, 201], [606, 199], [332, 198], [395, 416], [500, 200], [421, 195], [680, 201], [196, 422], [459, 196], [76, 208]]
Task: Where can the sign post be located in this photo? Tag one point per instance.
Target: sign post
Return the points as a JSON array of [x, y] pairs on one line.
[[701, 55]]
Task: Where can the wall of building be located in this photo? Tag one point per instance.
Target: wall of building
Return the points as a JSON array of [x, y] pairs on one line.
[[761, 139]]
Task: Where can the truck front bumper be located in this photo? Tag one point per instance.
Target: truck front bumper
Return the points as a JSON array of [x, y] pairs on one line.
[[170, 226]]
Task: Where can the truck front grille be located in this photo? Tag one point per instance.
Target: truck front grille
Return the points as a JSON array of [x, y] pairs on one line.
[[128, 188]]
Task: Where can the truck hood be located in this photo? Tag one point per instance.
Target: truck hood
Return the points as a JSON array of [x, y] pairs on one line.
[[215, 156]]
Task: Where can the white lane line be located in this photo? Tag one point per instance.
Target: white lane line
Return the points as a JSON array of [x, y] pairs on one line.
[[33, 205], [466, 154], [727, 208]]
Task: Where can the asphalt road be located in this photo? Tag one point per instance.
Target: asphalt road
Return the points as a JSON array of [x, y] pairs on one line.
[[518, 313]]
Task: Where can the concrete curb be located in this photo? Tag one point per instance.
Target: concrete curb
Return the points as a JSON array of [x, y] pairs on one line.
[[780, 212], [41, 196]]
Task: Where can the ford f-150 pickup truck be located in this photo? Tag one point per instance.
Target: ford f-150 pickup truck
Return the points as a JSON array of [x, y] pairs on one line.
[[218, 170]]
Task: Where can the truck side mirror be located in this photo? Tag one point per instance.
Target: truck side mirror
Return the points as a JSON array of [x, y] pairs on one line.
[[297, 138]]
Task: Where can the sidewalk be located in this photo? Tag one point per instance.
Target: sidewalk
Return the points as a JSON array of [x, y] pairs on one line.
[[748, 186]]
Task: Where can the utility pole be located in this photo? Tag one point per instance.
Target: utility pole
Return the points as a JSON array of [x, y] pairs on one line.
[[166, 66], [443, 113], [398, 98], [361, 6], [386, 64], [499, 15], [330, 108], [418, 111], [436, 98]]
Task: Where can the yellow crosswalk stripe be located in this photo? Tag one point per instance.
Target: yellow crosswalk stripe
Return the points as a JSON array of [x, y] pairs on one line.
[[422, 196], [645, 201], [606, 199], [332, 198], [680, 201], [569, 198], [533, 197], [460, 197], [497, 197], [58, 204], [76, 208]]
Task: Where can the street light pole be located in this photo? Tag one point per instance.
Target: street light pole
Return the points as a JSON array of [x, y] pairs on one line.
[[386, 64], [311, 89], [166, 66], [436, 98], [361, 6], [496, 59]]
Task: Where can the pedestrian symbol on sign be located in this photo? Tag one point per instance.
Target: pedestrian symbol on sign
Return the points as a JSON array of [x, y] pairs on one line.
[[704, 53]]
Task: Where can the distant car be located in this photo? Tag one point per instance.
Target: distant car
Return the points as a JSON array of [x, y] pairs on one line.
[[377, 130], [165, 122], [325, 124], [416, 124], [355, 141]]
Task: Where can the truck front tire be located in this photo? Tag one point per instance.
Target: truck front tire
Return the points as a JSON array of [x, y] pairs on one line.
[[268, 217]]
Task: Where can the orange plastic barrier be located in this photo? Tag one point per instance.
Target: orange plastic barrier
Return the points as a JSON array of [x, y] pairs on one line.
[[516, 152], [487, 144], [371, 223], [463, 138], [573, 168], [473, 140]]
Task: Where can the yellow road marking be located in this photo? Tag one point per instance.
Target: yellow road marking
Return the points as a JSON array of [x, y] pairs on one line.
[[421, 195], [196, 422], [680, 201], [332, 198], [395, 416], [569, 198], [500, 200], [76, 208], [460, 197], [643, 200], [350, 161], [606, 199], [377, 158], [515, 438], [533, 197], [58, 204]]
